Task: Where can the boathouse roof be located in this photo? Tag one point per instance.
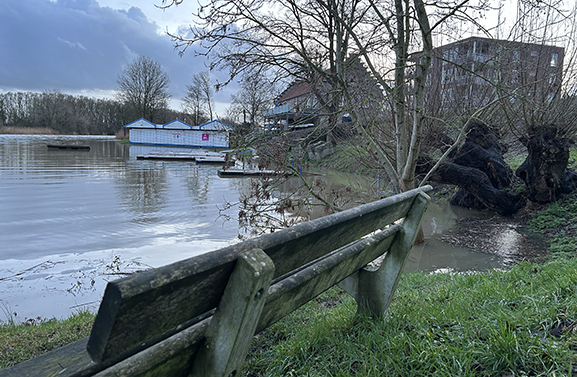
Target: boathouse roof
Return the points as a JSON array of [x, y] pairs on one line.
[[215, 125], [141, 123], [177, 124]]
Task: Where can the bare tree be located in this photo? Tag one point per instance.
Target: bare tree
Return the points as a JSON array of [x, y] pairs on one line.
[[143, 87], [540, 112], [200, 95], [317, 41], [255, 96], [193, 104], [62, 113]]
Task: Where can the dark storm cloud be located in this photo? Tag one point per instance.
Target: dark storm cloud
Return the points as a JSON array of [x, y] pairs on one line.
[[75, 45]]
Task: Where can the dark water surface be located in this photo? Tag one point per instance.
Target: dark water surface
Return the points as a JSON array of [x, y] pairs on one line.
[[72, 220], [69, 220]]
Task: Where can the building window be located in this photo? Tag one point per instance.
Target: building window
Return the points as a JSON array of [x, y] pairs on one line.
[[516, 56], [483, 48], [554, 59]]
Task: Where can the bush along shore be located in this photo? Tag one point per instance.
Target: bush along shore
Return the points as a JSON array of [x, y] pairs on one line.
[[516, 322]]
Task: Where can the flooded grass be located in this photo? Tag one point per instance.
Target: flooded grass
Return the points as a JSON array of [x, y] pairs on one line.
[[501, 236], [558, 223]]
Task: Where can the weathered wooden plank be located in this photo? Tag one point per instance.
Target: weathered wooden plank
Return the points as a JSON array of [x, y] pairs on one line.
[[311, 240], [170, 357], [376, 286], [297, 289], [128, 322], [148, 306], [232, 327]]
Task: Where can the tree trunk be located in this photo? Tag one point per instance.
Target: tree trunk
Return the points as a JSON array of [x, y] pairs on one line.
[[544, 170], [479, 170], [477, 184]]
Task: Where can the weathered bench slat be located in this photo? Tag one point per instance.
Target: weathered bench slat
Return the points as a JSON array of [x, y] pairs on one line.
[[294, 291], [149, 306], [311, 240], [170, 357], [232, 326], [225, 337], [125, 321]]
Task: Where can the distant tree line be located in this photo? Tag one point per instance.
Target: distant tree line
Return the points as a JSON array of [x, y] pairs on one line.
[[63, 113], [69, 114]]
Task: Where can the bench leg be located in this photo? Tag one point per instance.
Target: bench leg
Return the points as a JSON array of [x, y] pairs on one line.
[[373, 287], [232, 327]]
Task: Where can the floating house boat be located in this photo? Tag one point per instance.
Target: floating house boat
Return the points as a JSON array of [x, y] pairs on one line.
[[212, 135]]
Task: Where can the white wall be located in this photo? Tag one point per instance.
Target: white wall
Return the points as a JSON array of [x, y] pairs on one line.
[[185, 138]]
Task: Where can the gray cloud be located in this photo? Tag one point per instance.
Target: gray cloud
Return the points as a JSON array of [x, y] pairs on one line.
[[78, 45]]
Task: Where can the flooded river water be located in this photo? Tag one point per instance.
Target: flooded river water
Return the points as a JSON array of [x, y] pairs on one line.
[[72, 220]]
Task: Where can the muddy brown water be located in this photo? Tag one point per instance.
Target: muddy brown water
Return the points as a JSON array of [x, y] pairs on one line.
[[458, 239], [72, 220]]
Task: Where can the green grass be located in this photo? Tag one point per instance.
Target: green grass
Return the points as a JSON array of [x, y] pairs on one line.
[[486, 324], [346, 158], [19, 342], [514, 161], [559, 225]]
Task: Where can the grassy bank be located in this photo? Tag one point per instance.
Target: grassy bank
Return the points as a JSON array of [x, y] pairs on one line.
[[558, 222], [517, 322], [19, 342]]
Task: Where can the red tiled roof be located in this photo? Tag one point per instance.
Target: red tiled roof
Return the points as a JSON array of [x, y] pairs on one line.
[[296, 90]]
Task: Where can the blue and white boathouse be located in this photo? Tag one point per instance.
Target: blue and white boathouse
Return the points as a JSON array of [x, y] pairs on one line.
[[213, 134]]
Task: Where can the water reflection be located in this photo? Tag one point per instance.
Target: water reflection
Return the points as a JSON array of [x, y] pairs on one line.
[[142, 189], [460, 239]]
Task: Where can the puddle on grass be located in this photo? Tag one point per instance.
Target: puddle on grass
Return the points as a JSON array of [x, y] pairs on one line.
[[459, 239]]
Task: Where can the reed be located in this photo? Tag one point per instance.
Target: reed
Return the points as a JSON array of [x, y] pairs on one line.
[[27, 131]]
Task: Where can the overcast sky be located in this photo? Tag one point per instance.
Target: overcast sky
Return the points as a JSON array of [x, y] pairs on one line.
[[80, 46]]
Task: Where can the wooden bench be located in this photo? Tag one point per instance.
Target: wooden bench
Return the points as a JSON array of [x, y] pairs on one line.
[[198, 316]]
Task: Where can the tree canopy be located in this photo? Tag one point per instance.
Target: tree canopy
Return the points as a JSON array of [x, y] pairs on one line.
[[143, 87]]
